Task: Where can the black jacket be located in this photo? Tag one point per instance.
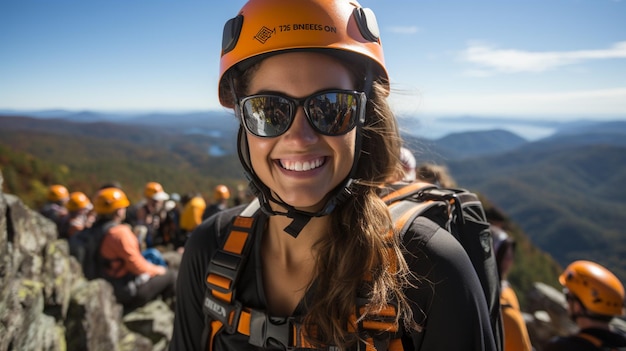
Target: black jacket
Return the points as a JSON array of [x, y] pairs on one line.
[[448, 301]]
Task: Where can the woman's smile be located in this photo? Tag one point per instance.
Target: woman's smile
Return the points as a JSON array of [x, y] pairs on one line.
[[302, 165]]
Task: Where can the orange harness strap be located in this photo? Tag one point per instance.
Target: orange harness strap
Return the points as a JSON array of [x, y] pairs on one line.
[[228, 315]]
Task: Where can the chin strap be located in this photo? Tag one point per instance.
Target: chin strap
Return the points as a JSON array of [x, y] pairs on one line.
[[264, 194]]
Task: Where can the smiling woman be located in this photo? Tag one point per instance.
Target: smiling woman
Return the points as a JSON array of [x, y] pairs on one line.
[[313, 262]]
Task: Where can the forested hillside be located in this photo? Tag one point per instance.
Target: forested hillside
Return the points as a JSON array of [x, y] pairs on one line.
[[85, 155]]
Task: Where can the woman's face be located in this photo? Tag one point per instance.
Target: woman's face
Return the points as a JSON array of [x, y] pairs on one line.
[[301, 166]]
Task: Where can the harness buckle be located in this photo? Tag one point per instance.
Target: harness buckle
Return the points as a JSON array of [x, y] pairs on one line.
[[266, 331]]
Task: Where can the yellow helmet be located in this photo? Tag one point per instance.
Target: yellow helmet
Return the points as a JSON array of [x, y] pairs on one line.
[[596, 287], [109, 200], [154, 190], [264, 27], [57, 193], [78, 201], [221, 192]]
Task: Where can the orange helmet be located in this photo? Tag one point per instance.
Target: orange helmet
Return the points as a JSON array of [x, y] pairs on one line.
[[154, 190], [221, 192], [109, 200], [264, 27], [57, 193], [596, 287], [78, 201]]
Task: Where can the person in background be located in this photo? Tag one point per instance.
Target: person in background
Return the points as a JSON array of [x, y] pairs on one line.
[[80, 215], [149, 215], [54, 208], [594, 297], [407, 159], [170, 228], [221, 194], [244, 196], [435, 174], [317, 139], [191, 215], [135, 280], [516, 336]]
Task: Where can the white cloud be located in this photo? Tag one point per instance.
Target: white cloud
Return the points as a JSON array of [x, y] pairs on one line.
[[404, 29], [493, 60]]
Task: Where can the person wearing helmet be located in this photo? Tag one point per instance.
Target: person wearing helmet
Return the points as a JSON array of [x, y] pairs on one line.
[[221, 194], [516, 336], [191, 216], [80, 215], [54, 207], [594, 297], [317, 138], [149, 214], [135, 280]]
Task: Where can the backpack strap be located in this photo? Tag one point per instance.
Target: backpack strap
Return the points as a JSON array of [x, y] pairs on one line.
[[380, 330], [406, 190], [220, 307]]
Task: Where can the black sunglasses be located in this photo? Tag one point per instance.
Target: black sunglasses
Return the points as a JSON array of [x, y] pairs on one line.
[[329, 112]]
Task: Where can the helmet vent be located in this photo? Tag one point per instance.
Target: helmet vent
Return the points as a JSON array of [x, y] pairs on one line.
[[230, 36], [366, 21]]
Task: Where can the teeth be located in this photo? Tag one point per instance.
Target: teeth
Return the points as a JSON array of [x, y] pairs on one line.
[[300, 166]]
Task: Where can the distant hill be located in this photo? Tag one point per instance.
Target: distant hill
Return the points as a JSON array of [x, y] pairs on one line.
[[95, 153], [566, 192], [463, 145], [481, 143]]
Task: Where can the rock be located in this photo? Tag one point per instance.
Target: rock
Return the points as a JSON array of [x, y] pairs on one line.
[[47, 304]]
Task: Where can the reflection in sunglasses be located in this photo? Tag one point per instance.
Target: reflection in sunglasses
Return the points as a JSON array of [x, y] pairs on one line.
[[333, 112]]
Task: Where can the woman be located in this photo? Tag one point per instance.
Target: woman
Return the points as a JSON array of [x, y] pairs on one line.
[[319, 237]]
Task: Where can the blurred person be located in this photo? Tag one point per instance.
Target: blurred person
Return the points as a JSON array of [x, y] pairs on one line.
[[80, 215], [516, 336], [221, 194], [149, 214], [54, 207], [135, 280], [435, 174], [407, 159], [594, 297], [191, 215], [170, 228]]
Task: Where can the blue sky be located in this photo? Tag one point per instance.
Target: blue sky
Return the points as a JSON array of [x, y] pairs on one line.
[[537, 59]]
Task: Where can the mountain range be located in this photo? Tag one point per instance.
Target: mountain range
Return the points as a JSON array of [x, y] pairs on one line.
[[565, 192]]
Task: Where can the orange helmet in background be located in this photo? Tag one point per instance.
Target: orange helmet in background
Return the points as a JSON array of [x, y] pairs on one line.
[[221, 192], [57, 193], [154, 190], [78, 201], [109, 200], [263, 27], [599, 290]]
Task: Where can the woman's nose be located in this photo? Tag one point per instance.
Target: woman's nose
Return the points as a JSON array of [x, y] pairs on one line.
[[301, 130]]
